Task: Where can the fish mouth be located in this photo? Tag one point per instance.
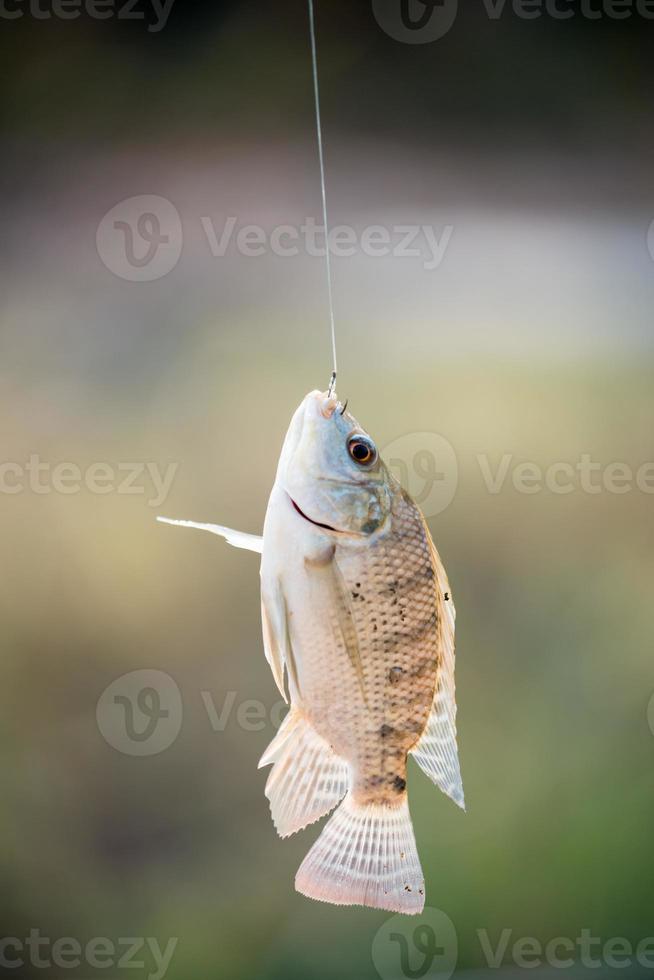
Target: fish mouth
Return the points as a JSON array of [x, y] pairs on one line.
[[327, 527]]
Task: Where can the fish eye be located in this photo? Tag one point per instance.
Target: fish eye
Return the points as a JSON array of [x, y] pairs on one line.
[[362, 450]]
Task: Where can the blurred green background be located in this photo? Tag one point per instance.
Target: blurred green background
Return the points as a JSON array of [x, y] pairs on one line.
[[532, 338]]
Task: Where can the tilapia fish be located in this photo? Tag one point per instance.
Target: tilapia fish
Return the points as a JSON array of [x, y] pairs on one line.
[[358, 616]]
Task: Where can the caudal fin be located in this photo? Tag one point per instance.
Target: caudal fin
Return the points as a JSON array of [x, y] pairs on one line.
[[366, 855]]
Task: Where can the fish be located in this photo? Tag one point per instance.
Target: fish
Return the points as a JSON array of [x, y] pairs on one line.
[[358, 628]]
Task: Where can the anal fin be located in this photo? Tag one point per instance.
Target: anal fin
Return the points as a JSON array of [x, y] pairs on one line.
[[307, 780]]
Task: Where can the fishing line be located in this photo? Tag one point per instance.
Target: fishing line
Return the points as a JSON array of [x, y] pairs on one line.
[[314, 64]]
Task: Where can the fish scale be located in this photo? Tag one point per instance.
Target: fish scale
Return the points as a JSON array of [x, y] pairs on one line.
[[398, 706]]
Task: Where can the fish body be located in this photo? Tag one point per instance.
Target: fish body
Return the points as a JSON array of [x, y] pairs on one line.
[[357, 615]]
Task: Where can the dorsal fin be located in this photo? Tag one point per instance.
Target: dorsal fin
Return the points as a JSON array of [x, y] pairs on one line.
[[436, 750]]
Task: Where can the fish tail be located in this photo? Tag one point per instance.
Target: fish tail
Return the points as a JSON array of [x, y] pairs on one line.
[[366, 855]]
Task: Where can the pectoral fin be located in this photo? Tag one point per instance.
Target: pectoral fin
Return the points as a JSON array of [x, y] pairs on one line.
[[277, 638], [239, 539]]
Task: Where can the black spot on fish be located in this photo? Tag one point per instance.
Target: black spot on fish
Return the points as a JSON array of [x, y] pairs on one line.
[[447, 596], [385, 731], [395, 674], [399, 784], [370, 526]]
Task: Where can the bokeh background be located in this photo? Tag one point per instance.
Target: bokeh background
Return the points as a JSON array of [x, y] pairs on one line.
[[532, 339]]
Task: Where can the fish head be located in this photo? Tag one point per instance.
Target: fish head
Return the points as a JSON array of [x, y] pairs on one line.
[[331, 469]]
